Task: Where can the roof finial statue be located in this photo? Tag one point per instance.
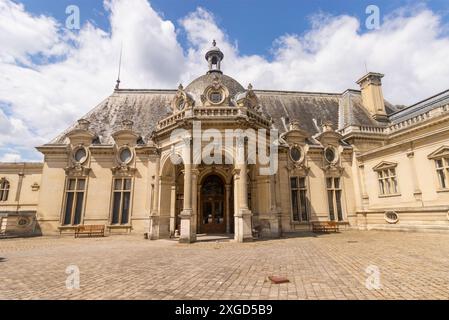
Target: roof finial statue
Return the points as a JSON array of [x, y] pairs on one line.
[[214, 57], [180, 87]]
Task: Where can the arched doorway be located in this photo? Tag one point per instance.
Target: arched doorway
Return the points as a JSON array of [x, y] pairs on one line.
[[213, 205]]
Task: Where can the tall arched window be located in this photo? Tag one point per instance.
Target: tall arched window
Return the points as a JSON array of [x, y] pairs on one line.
[[4, 189]]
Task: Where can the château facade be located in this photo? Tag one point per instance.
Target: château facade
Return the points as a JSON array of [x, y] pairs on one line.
[[350, 157]]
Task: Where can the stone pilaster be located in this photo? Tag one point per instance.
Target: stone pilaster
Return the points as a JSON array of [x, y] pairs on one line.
[[417, 193], [243, 216]]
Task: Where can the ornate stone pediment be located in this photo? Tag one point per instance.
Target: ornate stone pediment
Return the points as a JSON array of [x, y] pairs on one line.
[[328, 134], [295, 135], [442, 151], [385, 165], [247, 99]]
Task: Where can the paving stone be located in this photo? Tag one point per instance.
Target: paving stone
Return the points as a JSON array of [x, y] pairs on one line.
[[333, 266]]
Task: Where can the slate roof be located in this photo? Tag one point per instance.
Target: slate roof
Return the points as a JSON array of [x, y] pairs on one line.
[[146, 107], [424, 106]]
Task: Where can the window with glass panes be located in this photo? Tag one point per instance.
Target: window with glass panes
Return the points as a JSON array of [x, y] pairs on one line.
[[334, 192], [388, 183], [121, 201], [298, 189], [74, 201], [4, 190], [442, 167]]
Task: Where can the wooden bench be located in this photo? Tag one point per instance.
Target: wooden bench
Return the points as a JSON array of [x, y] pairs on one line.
[[90, 231], [325, 226]]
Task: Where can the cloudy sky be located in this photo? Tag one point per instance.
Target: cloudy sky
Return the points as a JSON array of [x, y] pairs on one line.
[[51, 75]]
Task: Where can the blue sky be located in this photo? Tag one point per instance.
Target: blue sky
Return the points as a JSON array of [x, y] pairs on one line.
[[51, 76], [254, 24]]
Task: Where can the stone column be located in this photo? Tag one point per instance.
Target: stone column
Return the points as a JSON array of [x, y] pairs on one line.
[[417, 193], [172, 210], [228, 207], [243, 223], [187, 212], [194, 226], [154, 215]]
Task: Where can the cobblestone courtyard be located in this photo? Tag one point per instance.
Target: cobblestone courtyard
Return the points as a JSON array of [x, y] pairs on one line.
[[412, 266]]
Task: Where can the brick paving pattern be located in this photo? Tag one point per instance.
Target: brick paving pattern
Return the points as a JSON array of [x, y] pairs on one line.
[[333, 266]]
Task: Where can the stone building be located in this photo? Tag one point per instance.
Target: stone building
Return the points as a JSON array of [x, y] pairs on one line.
[[348, 157]]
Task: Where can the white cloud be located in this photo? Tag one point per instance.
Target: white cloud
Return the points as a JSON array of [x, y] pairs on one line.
[[10, 157], [40, 100]]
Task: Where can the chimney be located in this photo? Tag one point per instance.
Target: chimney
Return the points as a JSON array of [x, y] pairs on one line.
[[372, 96]]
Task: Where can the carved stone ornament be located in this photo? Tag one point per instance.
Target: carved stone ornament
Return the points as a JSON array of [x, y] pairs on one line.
[[299, 169], [182, 100], [77, 170], [123, 170], [333, 170]]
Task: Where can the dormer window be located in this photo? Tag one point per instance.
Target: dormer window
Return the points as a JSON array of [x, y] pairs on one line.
[[330, 154], [125, 155], [296, 154], [80, 155]]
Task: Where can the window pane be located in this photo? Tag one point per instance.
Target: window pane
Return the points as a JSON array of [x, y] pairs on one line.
[[303, 202], [294, 183], [439, 163], [394, 185], [381, 187], [116, 207], [302, 183], [78, 208], [380, 173], [338, 201], [295, 205], [118, 184], [81, 184], [68, 208], [329, 183], [330, 196], [392, 172], [387, 186], [337, 183], [442, 178], [71, 184], [447, 161], [127, 184], [126, 205]]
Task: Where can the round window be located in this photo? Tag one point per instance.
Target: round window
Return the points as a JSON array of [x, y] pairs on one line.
[[330, 154], [391, 217], [296, 154], [125, 155], [80, 155], [215, 96]]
